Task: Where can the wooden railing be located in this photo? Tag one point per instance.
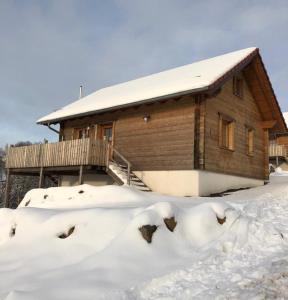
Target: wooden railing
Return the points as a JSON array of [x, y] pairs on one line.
[[277, 150], [67, 153], [116, 153]]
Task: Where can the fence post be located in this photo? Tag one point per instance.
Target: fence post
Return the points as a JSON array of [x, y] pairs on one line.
[[129, 173], [41, 176], [108, 154]]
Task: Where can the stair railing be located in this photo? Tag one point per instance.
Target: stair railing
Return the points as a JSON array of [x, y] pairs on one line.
[[126, 161]]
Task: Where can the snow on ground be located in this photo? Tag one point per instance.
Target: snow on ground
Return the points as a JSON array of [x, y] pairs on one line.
[[106, 257]]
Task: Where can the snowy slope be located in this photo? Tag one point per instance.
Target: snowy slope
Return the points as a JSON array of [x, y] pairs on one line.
[[198, 75], [106, 257]]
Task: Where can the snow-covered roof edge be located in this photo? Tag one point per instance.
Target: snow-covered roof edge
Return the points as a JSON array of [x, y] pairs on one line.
[[241, 60], [285, 115]]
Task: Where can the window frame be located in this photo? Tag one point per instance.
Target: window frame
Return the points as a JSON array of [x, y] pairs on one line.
[[80, 133], [229, 143], [248, 131]]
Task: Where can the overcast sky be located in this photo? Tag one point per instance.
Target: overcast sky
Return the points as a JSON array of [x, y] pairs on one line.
[[49, 48]]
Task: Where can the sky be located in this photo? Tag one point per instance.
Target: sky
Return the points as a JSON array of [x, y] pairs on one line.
[[49, 48]]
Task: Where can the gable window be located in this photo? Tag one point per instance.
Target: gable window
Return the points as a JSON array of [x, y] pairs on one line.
[[238, 86], [250, 140], [226, 132]]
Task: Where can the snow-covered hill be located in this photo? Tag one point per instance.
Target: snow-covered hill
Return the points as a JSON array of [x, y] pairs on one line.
[[84, 242]]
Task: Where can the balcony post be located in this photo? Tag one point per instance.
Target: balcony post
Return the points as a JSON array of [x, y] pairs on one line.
[[81, 175], [41, 177], [7, 189]]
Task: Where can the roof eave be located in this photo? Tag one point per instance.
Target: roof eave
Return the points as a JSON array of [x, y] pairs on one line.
[[146, 101]]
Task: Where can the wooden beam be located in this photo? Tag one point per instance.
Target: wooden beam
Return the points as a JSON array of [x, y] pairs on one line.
[[7, 189], [41, 177], [81, 175], [266, 153], [268, 124]]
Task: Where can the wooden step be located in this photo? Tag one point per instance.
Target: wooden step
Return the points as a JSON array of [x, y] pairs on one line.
[[123, 170]]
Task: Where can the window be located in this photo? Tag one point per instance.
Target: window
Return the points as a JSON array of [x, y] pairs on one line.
[[81, 133], [226, 132], [107, 134], [250, 140], [238, 86]]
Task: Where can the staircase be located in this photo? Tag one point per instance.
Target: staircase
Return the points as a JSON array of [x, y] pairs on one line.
[[122, 174]]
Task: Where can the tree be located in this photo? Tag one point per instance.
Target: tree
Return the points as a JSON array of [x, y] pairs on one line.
[[2, 176]]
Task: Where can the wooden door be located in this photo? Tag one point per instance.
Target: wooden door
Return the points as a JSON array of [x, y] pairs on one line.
[[106, 134]]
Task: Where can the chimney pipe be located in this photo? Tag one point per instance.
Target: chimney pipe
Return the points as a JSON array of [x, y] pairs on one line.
[[81, 92]]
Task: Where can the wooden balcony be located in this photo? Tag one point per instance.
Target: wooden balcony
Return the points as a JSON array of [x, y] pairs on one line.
[[276, 150], [82, 152]]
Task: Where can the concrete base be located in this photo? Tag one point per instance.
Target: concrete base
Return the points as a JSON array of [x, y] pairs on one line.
[[176, 183], [93, 179], [193, 182]]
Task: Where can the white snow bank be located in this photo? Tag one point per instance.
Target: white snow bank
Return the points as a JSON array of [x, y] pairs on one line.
[[279, 172], [83, 196], [106, 257]]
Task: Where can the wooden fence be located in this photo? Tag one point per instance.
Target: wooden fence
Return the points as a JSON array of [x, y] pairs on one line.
[[66, 153]]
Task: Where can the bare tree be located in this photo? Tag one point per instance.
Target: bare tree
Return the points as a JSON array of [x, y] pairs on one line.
[[2, 176]]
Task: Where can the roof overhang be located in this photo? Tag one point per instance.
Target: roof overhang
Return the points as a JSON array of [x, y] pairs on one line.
[[257, 79]]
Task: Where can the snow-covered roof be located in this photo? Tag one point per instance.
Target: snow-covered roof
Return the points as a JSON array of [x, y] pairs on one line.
[[194, 77], [285, 115]]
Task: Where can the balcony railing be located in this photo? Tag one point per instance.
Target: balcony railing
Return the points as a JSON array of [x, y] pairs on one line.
[[67, 153], [277, 150]]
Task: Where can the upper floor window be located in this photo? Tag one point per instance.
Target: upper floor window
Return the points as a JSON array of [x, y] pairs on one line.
[[226, 132], [238, 86]]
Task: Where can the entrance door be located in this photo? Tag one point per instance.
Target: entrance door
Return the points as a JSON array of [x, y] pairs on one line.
[[106, 134]]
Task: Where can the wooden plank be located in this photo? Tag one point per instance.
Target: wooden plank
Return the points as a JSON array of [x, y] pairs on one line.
[[268, 124]]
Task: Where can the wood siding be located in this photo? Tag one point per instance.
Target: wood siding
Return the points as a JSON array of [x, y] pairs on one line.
[[168, 141], [245, 113], [165, 142]]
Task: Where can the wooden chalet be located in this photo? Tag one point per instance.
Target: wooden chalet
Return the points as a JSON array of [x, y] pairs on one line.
[[194, 130], [278, 150]]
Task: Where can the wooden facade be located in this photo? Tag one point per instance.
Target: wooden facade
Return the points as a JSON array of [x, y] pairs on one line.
[[245, 113], [183, 133], [164, 142]]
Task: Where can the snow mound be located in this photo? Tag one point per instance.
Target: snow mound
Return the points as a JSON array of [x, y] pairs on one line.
[[89, 242], [82, 196]]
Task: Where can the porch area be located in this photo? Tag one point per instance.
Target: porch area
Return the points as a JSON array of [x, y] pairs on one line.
[[73, 157], [80, 152]]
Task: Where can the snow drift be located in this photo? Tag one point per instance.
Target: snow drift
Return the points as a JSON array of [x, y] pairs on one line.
[[87, 242]]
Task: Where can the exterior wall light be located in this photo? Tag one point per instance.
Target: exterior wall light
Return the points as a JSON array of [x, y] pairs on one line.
[[146, 118]]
